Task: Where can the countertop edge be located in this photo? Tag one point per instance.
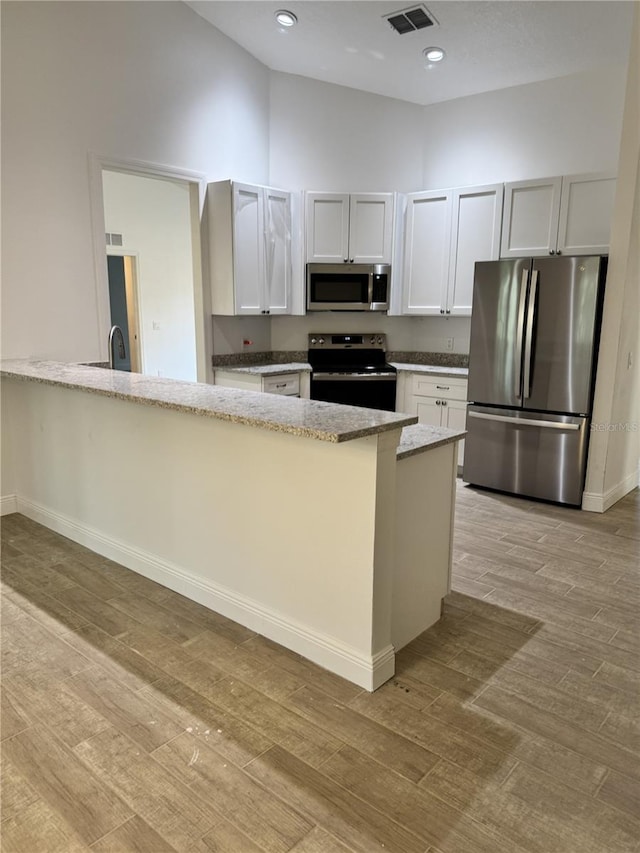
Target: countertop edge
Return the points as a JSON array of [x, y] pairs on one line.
[[9, 369], [266, 369], [434, 370], [419, 438]]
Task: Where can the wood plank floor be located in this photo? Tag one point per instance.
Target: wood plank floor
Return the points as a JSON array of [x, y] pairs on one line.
[[136, 720]]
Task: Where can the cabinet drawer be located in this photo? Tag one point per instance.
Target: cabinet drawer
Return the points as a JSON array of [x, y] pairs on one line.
[[287, 384], [441, 386]]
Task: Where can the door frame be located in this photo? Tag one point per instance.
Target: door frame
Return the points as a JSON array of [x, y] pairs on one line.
[[201, 295]]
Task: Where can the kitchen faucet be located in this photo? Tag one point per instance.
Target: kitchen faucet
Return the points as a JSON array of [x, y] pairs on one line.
[[116, 332]]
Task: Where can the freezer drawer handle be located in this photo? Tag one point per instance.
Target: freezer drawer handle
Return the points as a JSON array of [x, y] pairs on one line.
[[523, 421]]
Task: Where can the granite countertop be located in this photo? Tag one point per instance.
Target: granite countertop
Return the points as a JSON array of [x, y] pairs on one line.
[[307, 418], [266, 369], [435, 370], [420, 437]]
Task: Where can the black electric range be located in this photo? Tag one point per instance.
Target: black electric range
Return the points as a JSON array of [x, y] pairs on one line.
[[352, 369]]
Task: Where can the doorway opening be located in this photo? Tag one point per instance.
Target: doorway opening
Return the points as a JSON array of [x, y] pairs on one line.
[[123, 303], [149, 279]]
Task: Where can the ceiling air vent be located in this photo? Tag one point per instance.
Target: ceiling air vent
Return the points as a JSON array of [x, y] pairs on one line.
[[409, 20]]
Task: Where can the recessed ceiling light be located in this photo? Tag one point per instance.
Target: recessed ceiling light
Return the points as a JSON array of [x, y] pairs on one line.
[[433, 54], [285, 19]]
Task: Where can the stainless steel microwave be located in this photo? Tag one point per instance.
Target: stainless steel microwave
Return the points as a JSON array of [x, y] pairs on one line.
[[348, 287]]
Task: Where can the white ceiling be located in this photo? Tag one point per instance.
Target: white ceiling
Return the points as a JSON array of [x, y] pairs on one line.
[[489, 45]]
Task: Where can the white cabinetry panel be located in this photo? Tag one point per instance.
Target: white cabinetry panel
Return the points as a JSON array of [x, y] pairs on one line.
[[568, 215], [446, 233], [586, 210], [475, 236], [438, 401], [530, 221], [428, 226], [343, 228], [250, 253]]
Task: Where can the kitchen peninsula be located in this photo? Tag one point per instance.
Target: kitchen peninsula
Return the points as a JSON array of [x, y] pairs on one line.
[[325, 528]]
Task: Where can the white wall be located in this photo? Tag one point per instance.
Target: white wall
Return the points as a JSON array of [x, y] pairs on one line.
[[423, 334], [614, 455], [327, 137], [557, 127], [142, 80], [153, 217]]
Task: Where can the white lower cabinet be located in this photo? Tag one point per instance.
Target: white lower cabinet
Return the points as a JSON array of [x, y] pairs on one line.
[[286, 384], [438, 401]]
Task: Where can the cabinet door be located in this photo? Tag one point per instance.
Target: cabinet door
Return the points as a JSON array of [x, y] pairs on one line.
[[586, 209], [426, 255], [327, 228], [454, 416], [371, 228], [428, 410], [530, 219], [475, 236], [248, 249], [277, 240]]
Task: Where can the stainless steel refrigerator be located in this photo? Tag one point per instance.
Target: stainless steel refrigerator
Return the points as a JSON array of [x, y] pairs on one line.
[[535, 327]]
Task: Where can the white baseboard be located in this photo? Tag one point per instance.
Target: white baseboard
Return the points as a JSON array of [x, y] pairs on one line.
[[368, 672], [8, 504], [597, 502]]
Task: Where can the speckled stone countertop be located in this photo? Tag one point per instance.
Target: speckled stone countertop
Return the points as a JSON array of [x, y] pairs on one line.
[[436, 370], [307, 418], [420, 437], [266, 369]]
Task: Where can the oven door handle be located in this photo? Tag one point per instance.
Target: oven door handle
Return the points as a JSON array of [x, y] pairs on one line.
[[349, 377]]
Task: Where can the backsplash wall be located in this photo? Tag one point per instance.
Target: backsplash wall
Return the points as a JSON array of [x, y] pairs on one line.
[[413, 334]]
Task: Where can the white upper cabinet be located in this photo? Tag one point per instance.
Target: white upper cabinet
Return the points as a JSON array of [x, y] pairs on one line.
[[249, 249], [475, 236], [586, 210], [564, 215], [277, 229], [426, 253], [446, 232], [343, 228]]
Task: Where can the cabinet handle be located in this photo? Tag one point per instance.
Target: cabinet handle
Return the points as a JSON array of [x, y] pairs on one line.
[[559, 252], [350, 260], [438, 402], [448, 311], [551, 252], [442, 387], [281, 385], [444, 402], [346, 260], [442, 310]]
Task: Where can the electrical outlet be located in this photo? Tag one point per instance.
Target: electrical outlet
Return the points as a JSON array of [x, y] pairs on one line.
[[449, 343], [246, 344]]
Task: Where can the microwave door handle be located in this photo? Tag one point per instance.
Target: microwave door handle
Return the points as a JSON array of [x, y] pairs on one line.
[[528, 347], [370, 300]]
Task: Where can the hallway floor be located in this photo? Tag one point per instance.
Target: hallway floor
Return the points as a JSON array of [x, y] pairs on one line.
[[136, 720]]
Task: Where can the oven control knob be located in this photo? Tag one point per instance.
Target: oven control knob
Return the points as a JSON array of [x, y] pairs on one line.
[[321, 341], [314, 341], [372, 341], [379, 340]]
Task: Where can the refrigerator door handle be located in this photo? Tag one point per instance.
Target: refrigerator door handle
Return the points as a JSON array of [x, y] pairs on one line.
[[520, 329], [528, 346], [523, 421]]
